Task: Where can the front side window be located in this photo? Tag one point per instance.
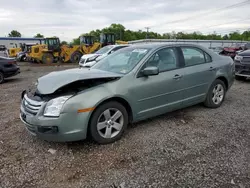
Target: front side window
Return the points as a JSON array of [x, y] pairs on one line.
[[193, 56], [165, 59], [208, 57], [123, 61]]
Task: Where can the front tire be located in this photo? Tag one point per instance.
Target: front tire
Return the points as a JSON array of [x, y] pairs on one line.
[[1, 78], [108, 122], [47, 58], [216, 94], [75, 57]]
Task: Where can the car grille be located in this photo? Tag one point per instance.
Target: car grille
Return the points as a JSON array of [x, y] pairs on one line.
[[31, 106], [31, 129], [246, 59]]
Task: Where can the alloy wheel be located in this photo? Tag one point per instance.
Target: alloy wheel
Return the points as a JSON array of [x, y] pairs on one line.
[[110, 123], [218, 94]]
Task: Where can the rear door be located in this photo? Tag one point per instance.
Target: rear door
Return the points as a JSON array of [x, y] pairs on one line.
[[198, 73]]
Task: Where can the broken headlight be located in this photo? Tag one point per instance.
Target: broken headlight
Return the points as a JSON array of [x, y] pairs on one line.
[[54, 106]]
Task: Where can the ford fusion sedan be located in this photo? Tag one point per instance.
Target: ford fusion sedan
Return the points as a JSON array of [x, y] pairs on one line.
[[88, 60], [133, 84]]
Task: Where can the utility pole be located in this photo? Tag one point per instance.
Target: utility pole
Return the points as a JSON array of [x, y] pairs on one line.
[[147, 31], [120, 34]]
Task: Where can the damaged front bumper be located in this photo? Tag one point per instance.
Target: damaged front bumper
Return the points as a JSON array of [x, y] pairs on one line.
[[242, 69], [65, 128]]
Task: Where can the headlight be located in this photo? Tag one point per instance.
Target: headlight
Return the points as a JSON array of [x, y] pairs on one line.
[[238, 58], [92, 58], [54, 106]]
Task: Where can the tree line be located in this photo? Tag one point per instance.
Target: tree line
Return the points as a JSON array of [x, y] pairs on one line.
[[121, 33]]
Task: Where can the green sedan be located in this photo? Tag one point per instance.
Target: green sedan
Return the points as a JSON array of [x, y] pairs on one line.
[[132, 84]]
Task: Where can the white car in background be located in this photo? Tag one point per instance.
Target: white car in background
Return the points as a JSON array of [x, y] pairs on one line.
[[88, 60], [3, 51]]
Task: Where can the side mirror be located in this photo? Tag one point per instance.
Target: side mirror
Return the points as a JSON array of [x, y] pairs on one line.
[[112, 51], [150, 71]]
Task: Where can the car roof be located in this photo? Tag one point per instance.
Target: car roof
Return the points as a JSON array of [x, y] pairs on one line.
[[159, 45], [115, 45]]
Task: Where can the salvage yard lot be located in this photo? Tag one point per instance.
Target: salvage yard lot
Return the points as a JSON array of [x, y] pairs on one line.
[[194, 147]]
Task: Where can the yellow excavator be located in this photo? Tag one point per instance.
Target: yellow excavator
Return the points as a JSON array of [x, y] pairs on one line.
[[51, 51]]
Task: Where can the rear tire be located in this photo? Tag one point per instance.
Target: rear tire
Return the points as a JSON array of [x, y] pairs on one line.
[[216, 94], [47, 58], [108, 122], [1, 78], [75, 57]]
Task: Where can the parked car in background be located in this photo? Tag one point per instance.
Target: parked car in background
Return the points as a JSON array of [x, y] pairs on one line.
[[234, 50], [3, 51], [8, 68], [242, 65], [132, 84], [216, 49], [89, 60]]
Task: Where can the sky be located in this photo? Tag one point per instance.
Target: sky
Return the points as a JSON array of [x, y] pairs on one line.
[[68, 19]]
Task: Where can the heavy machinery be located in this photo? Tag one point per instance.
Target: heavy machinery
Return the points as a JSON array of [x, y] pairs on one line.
[[14, 51], [47, 52], [87, 46], [121, 42], [52, 51], [25, 49]]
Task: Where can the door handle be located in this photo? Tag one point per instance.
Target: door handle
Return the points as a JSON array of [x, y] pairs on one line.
[[177, 76], [212, 69]]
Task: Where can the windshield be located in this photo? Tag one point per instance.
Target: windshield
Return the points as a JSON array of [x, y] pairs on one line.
[[104, 50], [122, 61]]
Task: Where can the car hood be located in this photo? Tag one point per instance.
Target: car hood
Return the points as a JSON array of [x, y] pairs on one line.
[[7, 58], [53, 81], [245, 53]]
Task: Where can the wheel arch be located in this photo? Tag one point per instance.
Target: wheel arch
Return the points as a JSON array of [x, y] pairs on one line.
[[122, 101], [118, 99], [224, 79]]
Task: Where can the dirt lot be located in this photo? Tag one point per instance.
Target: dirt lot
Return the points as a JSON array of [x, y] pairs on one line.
[[194, 147]]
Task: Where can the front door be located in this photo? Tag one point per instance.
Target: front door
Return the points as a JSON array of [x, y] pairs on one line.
[[154, 95]]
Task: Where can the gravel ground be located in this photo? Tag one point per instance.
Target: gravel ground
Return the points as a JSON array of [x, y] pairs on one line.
[[194, 147]]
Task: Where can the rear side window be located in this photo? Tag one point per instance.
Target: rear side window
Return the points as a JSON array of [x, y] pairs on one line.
[[193, 56], [208, 57]]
